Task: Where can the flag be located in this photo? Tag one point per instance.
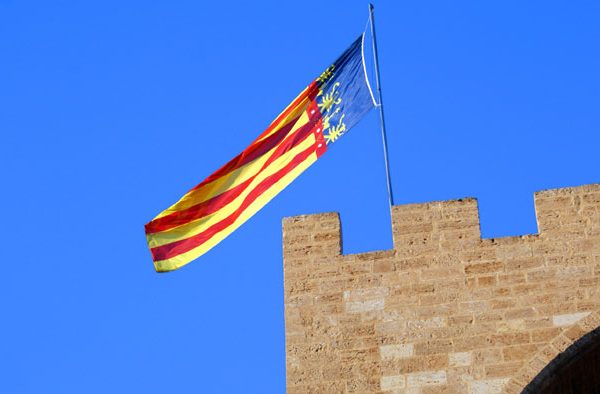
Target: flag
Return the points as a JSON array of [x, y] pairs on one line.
[[318, 117]]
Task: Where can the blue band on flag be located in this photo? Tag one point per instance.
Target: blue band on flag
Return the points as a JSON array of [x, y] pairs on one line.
[[344, 95]]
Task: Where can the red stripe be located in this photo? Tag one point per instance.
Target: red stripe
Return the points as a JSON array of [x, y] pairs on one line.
[[212, 205], [197, 211], [176, 248], [251, 153], [256, 149], [311, 92]]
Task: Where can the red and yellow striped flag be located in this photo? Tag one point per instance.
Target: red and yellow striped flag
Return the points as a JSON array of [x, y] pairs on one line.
[[212, 210]]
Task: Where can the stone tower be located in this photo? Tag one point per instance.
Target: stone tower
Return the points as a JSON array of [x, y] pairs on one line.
[[446, 311]]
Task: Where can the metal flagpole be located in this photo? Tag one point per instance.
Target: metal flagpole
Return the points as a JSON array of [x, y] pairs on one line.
[[381, 117]]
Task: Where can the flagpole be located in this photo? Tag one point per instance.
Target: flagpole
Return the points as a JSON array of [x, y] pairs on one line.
[[380, 105]]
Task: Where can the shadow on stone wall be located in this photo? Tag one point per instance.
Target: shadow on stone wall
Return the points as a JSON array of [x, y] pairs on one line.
[[576, 370]]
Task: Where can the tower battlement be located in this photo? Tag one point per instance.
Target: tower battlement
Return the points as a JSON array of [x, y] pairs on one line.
[[444, 310]]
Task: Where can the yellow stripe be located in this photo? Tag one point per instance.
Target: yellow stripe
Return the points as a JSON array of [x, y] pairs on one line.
[[228, 181], [184, 258], [301, 104], [192, 228]]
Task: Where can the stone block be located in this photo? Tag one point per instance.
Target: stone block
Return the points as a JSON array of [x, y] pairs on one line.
[[421, 379], [391, 352], [568, 319]]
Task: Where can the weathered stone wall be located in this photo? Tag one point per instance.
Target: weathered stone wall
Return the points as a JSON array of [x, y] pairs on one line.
[[444, 311]]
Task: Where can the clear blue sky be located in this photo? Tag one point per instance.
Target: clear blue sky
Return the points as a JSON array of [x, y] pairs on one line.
[[111, 110]]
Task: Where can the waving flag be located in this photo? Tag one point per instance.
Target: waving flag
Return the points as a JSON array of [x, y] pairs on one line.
[[319, 116]]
